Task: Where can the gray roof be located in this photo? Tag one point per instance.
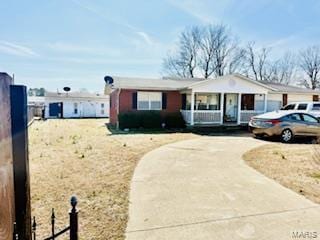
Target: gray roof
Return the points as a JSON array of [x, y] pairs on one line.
[[289, 88], [73, 95], [150, 83], [182, 83]]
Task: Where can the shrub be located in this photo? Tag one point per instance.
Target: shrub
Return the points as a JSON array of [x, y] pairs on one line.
[[175, 120], [150, 119], [129, 120]]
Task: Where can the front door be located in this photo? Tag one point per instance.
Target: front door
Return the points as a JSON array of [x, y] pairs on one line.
[[230, 110], [56, 109]]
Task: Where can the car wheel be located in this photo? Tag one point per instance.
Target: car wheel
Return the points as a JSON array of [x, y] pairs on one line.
[[286, 135]]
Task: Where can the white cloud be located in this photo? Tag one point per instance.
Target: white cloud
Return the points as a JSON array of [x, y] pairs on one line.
[[196, 9], [146, 37], [96, 11], [116, 20], [15, 49]]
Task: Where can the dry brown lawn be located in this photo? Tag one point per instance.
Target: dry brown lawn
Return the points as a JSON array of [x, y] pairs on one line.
[[81, 157], [295, 166]]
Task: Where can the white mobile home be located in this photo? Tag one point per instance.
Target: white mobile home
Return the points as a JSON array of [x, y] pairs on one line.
[[76, 105]]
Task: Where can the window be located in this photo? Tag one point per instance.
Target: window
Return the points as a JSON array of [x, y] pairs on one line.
[[288, 107], [204, 101], [302, 106], [149, 100], [316, 107], [294, 117], [102, 108], [75, 108], [310, 119], [247, 102], [284, 99], [207, 102]]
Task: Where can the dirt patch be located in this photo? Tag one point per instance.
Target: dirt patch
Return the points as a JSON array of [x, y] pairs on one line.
[[81, 157], [295, 166]]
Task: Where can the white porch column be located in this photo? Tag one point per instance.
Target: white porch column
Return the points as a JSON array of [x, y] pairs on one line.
[[239, 109], [221, 107], [265, 103], [192, 109]]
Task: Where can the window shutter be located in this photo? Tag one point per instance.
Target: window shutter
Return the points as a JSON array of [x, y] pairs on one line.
[[184, 101], [134, 100], [164, 100], [284, 99]]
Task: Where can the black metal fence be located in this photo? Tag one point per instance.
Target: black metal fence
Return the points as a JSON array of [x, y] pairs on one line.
[[72, 228]]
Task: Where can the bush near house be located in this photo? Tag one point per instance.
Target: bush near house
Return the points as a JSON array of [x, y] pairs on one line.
[[175, 120], [150, 119]]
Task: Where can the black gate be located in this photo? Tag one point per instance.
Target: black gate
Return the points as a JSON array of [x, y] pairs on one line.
[[22, 225], [72, 228]]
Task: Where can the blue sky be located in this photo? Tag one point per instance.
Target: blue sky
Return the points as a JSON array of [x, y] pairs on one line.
[[57, 43]]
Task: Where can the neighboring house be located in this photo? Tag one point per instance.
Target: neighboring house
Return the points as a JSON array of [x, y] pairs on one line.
[[76, 105], [231, 99], [35, 107]]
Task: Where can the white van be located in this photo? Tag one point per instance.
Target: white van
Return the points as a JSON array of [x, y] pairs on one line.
[[312, 108]]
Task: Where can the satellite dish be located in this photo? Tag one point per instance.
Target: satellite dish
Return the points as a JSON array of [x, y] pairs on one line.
[[66, 89], [108, 79]]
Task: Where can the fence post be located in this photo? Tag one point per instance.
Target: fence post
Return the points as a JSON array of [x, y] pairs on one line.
[[19, 123], [73, 219], [53, 217], [7, 213], [34, 228]]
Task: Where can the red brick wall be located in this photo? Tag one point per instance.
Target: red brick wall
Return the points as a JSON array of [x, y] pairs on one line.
[[113, 107], [125, 102]]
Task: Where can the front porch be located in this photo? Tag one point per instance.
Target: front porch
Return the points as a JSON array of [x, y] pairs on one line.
[[222, 108]]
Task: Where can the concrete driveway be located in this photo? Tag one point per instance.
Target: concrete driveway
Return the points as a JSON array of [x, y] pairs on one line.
[[202, 189]]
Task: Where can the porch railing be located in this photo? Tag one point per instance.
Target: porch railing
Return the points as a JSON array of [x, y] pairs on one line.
[[202, 116], [246, 115]]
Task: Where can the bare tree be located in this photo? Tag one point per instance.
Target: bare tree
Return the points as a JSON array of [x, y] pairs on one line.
[[207, 51], [236, 61], [309, 62], [217, 47], [257, 62], [184, 63], [284, 69]]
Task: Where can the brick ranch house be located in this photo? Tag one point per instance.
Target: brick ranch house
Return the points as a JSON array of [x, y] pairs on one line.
[[231, 99]]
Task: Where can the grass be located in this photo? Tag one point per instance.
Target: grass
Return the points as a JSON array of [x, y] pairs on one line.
[[316, 175], [82, 157], [295, 166]]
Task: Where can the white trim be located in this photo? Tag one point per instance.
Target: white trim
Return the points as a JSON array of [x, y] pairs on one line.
[[221, 107], [239, 108], [265, 102], [192, 108]]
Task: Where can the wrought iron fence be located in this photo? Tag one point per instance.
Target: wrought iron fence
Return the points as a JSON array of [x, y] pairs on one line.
[[72, 228]]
